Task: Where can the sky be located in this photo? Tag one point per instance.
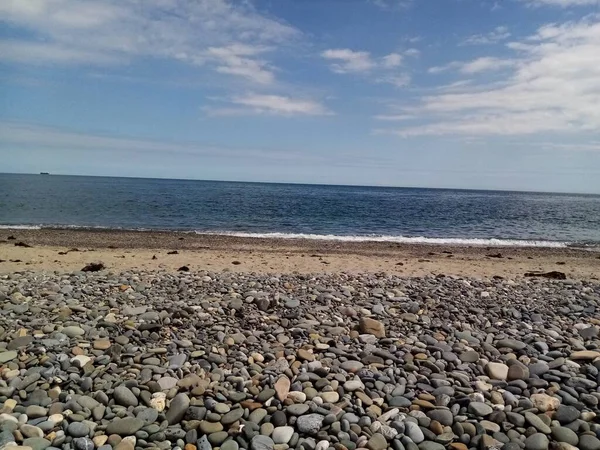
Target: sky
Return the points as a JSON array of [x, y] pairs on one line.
[[484, 94]]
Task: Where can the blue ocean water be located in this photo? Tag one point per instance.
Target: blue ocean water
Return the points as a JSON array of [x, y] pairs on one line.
[[309, 211]]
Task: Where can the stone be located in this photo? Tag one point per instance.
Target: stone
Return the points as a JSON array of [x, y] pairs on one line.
[[585, 355], [7, 356], [72, 331], [282, 435], [352, 366], [537, 441], [124, 397], [124, 427], [78, 429], [544, 402], [260, 442], [588, 442], [537, 422], [480, 409], [413, 431], [443, 416], [372, 326], [177, 408], [309, 424], [497, 371], [377, 442], [564, 434], [282, 387], [566, 414], [232, 416]]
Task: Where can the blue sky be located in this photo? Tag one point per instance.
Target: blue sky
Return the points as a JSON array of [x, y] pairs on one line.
[[438, 93]]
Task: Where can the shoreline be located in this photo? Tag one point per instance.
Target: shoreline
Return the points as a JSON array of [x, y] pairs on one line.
[[124, 250]]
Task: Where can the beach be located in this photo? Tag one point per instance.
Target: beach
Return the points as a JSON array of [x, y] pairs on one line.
[[198, 342], [68, 250]]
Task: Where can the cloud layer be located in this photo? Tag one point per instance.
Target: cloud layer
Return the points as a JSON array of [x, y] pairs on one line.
[[98, 32], [274, 105], [552, 85]]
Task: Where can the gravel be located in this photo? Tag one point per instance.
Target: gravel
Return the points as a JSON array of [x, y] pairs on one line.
[[199, 360]]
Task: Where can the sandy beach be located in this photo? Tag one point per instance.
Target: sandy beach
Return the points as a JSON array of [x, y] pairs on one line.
[[69, 250]]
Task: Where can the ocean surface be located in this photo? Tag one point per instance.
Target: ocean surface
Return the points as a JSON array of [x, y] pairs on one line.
[[302, 211]]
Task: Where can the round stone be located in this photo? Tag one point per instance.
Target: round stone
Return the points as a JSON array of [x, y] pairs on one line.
[[282, 435], [124, 397], [78, 429], [497, 371], [537, 441], [309, 424], [260, 442]]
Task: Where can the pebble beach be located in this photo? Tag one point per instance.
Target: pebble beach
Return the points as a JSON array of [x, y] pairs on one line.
[[199, 360]]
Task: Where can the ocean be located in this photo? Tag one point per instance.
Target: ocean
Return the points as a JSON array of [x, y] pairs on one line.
[[302, 211]]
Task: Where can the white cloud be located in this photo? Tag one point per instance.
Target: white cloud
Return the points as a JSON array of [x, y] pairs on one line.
[[23, 135], [239, 59], [392, 60], [562, 3], [107, 31], [478, 65], [497, 35], [360, 62], [394, 117], [347, 60], [553, 87], [401, 80], [262, 104], [388, 5]]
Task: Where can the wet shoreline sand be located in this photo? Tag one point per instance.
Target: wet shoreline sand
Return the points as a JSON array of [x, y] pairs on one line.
[[121, 250]]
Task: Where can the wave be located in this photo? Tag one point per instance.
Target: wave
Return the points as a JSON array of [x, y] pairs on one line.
[[481, 242], [20, 227], [397, 239]]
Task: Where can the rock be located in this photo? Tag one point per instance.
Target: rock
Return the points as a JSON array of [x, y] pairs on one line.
[[282, 387], [7, 356], [233, 416], [309, 424], [563, 434], [566, 414], [537, 422], [372, 326], [177, 408], [513, 344], [413, 431], [124, 427], [480, 409], [537, 441], [352, 366], [282, 435], [469, 357], [73, 331], [443, 416], [497, 371], [262, 443], [78, 429], [377, 442], [544, 402], [124, 397], [585, 355], [588, 442]]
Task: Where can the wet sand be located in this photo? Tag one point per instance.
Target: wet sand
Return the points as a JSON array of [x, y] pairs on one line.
[[68, 250]]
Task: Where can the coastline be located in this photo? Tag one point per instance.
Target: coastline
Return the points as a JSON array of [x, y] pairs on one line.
[[124, 250]]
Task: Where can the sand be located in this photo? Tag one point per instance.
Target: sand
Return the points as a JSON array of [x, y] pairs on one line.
[[69, 250]]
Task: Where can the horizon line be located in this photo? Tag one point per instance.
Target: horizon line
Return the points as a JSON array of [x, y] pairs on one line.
[[297, 183]]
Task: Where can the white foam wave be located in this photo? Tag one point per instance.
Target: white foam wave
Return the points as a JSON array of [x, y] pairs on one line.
[[398, 239], [20, 227]]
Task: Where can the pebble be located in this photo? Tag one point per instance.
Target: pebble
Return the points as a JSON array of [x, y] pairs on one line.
[[192, 361]]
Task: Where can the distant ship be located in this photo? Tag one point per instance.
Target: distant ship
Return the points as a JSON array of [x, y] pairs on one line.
[[44, 173]]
